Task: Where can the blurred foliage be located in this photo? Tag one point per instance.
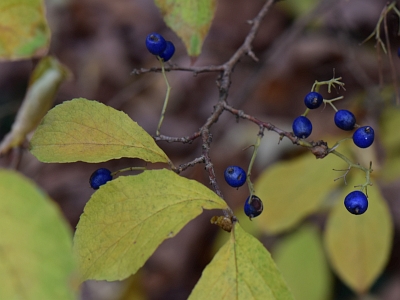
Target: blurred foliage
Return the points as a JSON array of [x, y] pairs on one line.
[[359, 246], [190, 20], [294, 189], [35, 243], [43, 86], [302, 252], [390, 120], [24, 31]]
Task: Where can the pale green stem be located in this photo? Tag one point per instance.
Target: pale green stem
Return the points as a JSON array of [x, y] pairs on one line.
[[166, 98], [330, 83], [252, 160], [332, 100], [353, 165]]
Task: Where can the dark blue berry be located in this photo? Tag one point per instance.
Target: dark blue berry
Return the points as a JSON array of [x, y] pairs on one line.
[[168, 52], [302, 127], [398, 52], [313, 100], [155, 43], [356, 202], [345, 119], [100, 177], [235, 176], [364, 136], [253, 207]]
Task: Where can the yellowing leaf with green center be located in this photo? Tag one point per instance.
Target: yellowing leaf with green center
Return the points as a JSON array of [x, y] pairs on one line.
[[24, 31], [294, 189], [243, 270], [36, 259], [358, 246], [301, 259], [89, 131], [128, 218], [43, 86], [189, 19]]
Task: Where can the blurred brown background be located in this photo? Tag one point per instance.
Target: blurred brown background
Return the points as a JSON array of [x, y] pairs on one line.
[[103, 41]]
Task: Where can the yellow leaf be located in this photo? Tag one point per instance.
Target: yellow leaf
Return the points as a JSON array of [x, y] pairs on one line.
[[294, 189], [89, 131], [128, 218], [36, 260], [24, 31], [243, 270], [358, 246], [190, 20], [301, 259], [43, 86]]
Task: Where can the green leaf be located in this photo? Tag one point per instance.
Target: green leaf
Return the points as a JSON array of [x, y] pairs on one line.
[[302, 252], [89, 131], [24, 31], [128, 218], [294, 189], [36, 260], [43, 86], [358, 246], [242, 269], [189, 19]]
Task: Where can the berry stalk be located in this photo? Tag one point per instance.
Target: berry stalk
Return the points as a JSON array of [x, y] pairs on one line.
[[166, 98]]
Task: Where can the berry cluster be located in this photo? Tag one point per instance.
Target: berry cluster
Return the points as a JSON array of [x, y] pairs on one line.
[[235, 176], [363, 137], [157, 45], [356, 202]]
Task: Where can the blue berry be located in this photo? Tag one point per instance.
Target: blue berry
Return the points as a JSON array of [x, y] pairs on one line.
[[168, 52], [356, 202], [398, 52], [345, 119], [364, 136], [254, 207], [100, 177], [302, 127], [313, 100], [235, 176], [155, 43]]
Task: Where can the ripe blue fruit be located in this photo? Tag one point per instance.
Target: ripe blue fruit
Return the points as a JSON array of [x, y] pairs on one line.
[[356, 202], [99, 177], [253, 207], [302, 127], [168, 52], [235, 176], [155, 43], [364, 136], [345, 119], [313, 100]]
